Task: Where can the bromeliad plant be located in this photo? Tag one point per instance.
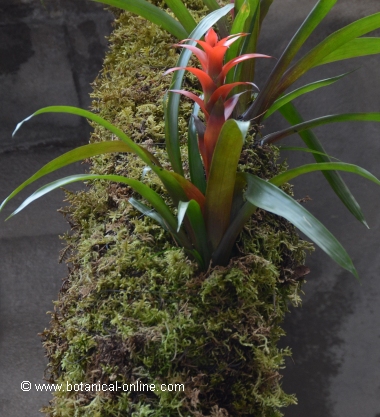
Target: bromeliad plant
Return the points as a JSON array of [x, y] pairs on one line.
[[215, 202]]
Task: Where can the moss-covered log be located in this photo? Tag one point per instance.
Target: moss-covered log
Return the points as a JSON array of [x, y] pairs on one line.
[[135, 308]]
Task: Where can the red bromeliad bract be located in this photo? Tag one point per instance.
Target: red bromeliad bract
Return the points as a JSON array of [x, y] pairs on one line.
[[217, 105]]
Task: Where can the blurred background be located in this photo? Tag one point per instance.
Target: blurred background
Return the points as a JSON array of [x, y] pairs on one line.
[[50, 52]]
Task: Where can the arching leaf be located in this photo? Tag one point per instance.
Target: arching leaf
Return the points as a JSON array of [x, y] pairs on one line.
[[300, 91], [328, 46], [336, 182], [267, 196], [150, 12], [78, 154], [323, 166], [267, 94], [353, 49], [320, 121], [151, 196]]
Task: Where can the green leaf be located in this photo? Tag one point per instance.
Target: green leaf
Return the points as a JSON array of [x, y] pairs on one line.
[[147, 211], [296, 148], [238, 198], [151, 196], [264, 9], [198, 229], [238, 5], [211, 4], [269, 92], [300, 91], [78, 154], [171, 105], [221, 181], [238, 26], [197, 172], [241, 212], [334, 179], [246, 70], [320, 121], [182, 13], [322, 166], [146, 156], [331, 44], [182, 208], [353, 49], [270, 198], [178, 187], [150, 12], [222, 254]]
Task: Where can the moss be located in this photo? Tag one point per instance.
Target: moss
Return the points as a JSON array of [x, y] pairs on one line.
[[134, 308]]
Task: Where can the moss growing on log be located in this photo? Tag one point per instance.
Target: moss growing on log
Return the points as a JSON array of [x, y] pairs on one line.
[[134, 308]]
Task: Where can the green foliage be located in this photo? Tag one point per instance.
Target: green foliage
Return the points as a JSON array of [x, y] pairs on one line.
[[133, 301], [136, 306], [155, 14], [215, 204], [130, 310]]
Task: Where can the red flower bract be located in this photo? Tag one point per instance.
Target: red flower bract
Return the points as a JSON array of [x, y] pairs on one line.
[[216, 104]]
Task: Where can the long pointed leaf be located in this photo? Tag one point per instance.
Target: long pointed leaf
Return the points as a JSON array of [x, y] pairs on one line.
[[178, 187], [172, 103], [211, 4], [320, 121], [197, 223], [198, 229], [78, 154], [238, 26], [241, 212], [221, 181], [300, 91], [264, 9], [150, 12], [191, 192], [151, 196], [182, 13], [246, 70], [332, 43], [222, 254], [353, 49], [269, 197], [300, 149], [340, 188], [324, 166], [268, 94], [182, 208], [146, 156], [197, 173], [147, 211]]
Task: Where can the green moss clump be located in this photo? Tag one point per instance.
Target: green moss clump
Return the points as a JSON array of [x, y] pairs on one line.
[[134, 307]]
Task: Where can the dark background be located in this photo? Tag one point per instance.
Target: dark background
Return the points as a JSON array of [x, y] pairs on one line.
[[49, 54]]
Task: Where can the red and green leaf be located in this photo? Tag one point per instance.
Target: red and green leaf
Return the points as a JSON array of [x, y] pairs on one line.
[[221, 181]]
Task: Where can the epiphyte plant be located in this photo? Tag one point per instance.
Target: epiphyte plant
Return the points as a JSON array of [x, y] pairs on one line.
[[214, 201]]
